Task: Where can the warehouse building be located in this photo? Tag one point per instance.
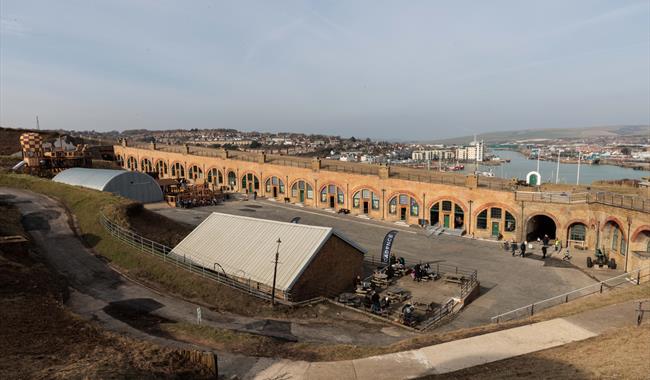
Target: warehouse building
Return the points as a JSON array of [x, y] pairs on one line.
[[129, 184], [313, 261]]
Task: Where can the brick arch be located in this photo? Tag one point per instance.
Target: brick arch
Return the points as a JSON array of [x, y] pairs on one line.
[[448, 198], [359, 188], [219, 170], [293, 182], [321, 186], [512, 211], [574, 221], [244, 173], [614, 220], [638, 231], [129, 158], [406, 192], [279, 177], [557, 223]]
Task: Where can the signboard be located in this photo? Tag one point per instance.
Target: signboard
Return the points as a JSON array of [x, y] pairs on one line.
[[386, 247]]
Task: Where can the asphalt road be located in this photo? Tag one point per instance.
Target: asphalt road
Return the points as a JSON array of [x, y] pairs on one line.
[[506, 282]]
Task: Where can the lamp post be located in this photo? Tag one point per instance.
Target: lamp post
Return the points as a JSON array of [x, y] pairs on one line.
[[627, 246], [275, 271]]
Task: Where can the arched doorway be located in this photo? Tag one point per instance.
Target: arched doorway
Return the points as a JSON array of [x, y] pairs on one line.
[[540, 225], [232, 180], [332, 196], [178, 170], [146, 165], [403, 205], [215, 177], [448, 214], [250, 182], [365, 200], [301, 190], [161, 168], [613, 238], [132, 163], [274, 186]]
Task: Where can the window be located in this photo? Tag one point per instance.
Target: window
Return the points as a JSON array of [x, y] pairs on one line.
[[341, 198], [161, 168], [232, 179], [365, 194], [274, 182], [310, 192], [414, 207], [146, 165], [577, 232], [195, 172], [495, 213], [132, 163], [403, 199], [323, 195], [481, 220], [268, 185], [623, 246], [615, 238], [178, 170], [511, 225], [375, 202], [214, 176], [356, 200], [392, 206], [446, 205], [647, 248], [250, 182]]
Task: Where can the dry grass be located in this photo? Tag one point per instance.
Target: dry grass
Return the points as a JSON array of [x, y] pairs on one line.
[[622, 353], [42, 340]]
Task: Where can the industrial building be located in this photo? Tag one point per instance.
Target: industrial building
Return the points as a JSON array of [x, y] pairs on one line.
[[133, 185], [313, 261]]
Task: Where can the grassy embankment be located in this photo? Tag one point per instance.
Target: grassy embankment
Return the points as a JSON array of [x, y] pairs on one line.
[[42, 340], [86, 204]]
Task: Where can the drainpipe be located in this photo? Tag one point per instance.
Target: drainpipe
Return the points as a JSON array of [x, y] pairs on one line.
[[424, 203], [627, 246], [523, 220], [316, 191], [383, 204], [597, 234], [469, 223]]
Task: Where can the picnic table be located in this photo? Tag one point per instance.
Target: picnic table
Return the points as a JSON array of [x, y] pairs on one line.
[[455, 277]]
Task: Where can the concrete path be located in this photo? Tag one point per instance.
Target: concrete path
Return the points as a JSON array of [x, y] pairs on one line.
[[464, 353]]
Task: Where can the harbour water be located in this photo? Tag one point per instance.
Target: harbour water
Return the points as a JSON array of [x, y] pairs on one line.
[[520, 165]]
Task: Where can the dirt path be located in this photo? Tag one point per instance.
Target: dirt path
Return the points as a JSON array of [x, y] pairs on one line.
[[100, 293]]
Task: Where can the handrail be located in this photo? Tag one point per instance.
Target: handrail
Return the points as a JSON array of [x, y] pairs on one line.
[[535, 306]]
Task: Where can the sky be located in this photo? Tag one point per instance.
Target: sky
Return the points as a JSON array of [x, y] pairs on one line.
[[379, 69]]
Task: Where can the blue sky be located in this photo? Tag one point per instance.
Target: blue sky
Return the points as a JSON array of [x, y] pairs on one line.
[[381, 69]]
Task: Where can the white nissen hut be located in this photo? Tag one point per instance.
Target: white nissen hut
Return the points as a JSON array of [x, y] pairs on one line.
[[129, 184], [314, 261]]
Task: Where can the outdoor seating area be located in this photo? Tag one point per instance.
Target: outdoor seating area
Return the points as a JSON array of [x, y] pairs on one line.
[[410, 295], [185, 195]]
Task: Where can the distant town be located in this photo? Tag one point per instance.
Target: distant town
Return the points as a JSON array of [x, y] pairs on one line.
[[626, 151]]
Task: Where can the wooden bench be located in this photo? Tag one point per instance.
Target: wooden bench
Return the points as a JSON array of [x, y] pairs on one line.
[[344, 211], [454, 277]]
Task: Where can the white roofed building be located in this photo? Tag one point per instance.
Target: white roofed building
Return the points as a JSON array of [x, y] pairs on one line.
[[314, 261]]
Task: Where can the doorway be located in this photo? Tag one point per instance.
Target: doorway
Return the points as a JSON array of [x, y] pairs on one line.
[[331, 201], [275, 192], [495, 229], [302, 196], [445, 220], [402, 213], [365, 207], [538, 226]]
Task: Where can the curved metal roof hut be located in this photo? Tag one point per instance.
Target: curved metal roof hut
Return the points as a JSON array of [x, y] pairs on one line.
[[129, 184]]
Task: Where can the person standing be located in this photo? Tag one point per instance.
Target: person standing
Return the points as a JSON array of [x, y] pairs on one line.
[[544, 247], [522, 248], [513, 247], [546, 240]]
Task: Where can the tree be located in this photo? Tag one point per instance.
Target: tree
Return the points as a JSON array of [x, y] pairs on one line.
[[255, 145]]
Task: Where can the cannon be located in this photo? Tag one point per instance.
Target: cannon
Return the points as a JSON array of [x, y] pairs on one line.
[[601, 259]]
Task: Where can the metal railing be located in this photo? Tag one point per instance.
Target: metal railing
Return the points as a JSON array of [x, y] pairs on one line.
[[165, 254], [633, 277], [551, 197], [630, 202], [439, 313], [618, 200]]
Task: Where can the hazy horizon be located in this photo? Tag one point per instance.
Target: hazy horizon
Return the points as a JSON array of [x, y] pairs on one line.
[[397, 71]]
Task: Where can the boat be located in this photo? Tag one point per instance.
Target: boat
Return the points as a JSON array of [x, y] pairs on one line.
[[456, 168], [484, 174]]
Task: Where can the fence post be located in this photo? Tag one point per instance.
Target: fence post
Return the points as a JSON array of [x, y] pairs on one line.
[[638, 277], [601, 287], [566, 298], [532, 309]]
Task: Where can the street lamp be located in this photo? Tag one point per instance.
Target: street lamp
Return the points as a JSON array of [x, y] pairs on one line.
[[275, 271]]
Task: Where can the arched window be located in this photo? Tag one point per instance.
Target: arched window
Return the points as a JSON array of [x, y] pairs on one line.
[[146, 166], [274, 182], [615, 239], [365, 195], [332, 193], [250, 182], [232, 179], [404, 201], [195, 172], [301, 189], [215, 177], [441, 213], [161, 168], [178, 170], [511, 224], [120, 160], [577, 232], [481, 220], [132, 163]]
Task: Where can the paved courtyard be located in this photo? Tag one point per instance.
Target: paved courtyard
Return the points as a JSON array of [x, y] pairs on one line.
[[506, 282]]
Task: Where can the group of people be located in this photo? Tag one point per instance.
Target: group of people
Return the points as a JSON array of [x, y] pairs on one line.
[[420, 271], [545, 241], [376, 303]]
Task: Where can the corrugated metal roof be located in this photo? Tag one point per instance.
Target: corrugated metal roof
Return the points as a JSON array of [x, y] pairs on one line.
[[245, 247], [129, 184]]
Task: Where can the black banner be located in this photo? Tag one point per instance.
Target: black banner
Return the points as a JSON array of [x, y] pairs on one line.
[[386, 247]]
